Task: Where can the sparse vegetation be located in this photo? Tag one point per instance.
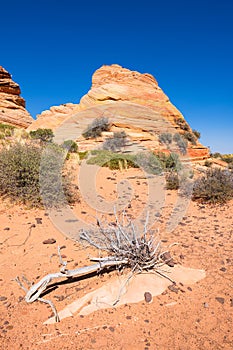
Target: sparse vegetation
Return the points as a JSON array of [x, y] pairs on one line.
[[71, 146], [182, 124], [190, 137], [166, 138], [150, 162], [208, 163], [115, 143], [20, 170], [6, 130], [112, 160], [172, 181], [196, 133], [216, 186], [43, 135], [96, 128], [182, 144], [83, 155]]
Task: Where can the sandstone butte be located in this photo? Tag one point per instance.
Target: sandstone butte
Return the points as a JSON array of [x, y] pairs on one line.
[[12, 106], [132, 101]]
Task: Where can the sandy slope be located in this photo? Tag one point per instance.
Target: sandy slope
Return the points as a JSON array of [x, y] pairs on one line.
[[186, 317]]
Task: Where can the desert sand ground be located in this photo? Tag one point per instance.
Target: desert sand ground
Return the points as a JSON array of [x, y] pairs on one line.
[[197, 316]]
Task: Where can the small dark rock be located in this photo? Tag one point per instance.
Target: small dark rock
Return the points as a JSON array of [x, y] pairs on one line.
[[166, 257], [190, 289], [112, 329], [59, 297], [220, 300], [6, 228], [174, 289], [49, 241], [128, 317], [148, 297], [38, 221], [231, 304], [223, 269], [3, 298]]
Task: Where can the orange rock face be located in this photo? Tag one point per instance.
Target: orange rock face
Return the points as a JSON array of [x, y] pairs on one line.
[[132, 101], [114, 83], [12, 106], [117, 88]]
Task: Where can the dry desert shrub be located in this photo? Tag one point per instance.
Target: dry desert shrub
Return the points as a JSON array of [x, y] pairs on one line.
[[216, 186], [28, 175]]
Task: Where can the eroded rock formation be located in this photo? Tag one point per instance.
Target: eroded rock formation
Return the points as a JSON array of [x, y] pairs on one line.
[[12, 106], [131, 100]]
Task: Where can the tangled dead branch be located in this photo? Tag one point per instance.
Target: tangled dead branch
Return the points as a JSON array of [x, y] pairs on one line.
[[123, 246]]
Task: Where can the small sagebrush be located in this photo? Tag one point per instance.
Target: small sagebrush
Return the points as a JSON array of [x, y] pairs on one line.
[[96, 128], [216, 186], [24, 176]]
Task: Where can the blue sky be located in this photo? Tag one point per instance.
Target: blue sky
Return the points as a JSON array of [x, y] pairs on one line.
[[53, 47]]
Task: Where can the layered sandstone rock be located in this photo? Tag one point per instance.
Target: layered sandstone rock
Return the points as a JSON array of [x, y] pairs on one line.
[[132, 101], [12, 106], [52, 118], [114, 83]]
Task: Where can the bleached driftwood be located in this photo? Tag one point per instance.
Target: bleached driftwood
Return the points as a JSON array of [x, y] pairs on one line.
[[127, 248]]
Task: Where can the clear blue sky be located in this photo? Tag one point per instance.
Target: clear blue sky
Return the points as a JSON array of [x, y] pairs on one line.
[[53, 47]]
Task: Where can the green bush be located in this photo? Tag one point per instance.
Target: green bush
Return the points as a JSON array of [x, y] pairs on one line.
[[208, 163], [56, 185], [182, 144], [216, 155], [197, 134], [83, 155], [6, 130], [215, 186], [96, 128], [150, 162], [115, 143], [172, 181], [182, 124], [170, 162], [165, 137], [71, 146], [44, 135], [112, 160], [190, 137], [20, 175]]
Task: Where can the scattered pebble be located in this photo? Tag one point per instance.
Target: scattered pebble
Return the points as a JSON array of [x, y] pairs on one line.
[[148, 297], [174, 289], [3, 298], [223, 269], [231, 304], [220, 300], [38, 221], [206, 305], [49, 241], [6, 228], [166, 257]]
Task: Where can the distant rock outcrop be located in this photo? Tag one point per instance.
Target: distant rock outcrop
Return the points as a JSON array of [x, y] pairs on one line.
[[131, 100], [12, 106]]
